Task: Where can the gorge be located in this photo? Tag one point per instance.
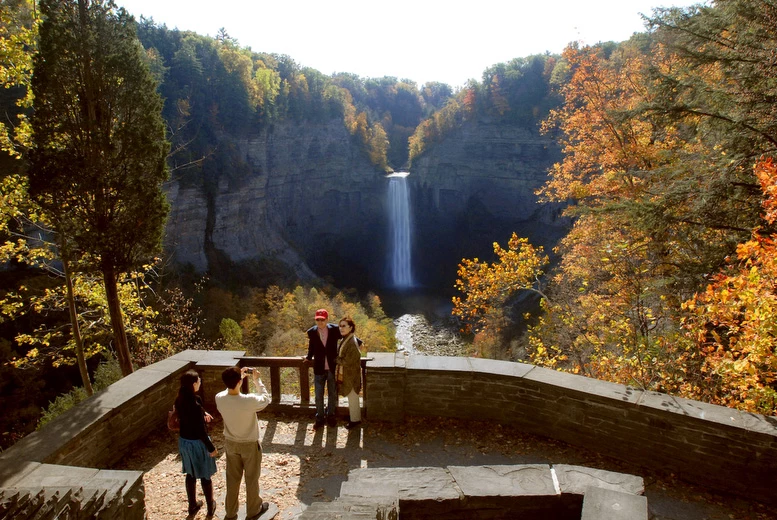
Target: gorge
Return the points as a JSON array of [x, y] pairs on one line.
[[279, 171], [307, 200]]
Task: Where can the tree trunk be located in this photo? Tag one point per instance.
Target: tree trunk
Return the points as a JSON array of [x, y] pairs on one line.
[[71, 305], [117, 322]]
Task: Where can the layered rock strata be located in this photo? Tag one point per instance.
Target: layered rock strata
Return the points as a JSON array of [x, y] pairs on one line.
[[308, 197]]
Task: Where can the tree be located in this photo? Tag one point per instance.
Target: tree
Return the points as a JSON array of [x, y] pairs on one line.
[[435, 96], [18, 32], [46, 306], [378, 146], [724, 73], [231, 334], [659, 135], [179, 322], [734, 321], [18, 35], [98, 164], [487, 287]]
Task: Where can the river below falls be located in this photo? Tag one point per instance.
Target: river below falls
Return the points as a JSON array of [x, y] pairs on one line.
[[424, 324]]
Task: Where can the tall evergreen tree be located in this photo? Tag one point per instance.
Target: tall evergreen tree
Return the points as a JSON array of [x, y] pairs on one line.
[[98, 162]]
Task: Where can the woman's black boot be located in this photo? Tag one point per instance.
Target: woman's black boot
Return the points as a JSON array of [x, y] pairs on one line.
[[191, 495], [207, 490]]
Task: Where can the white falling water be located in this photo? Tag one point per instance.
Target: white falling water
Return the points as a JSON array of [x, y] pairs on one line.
[[399, 227]]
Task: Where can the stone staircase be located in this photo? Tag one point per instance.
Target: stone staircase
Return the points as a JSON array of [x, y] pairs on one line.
[[47, 491], [530, 491]]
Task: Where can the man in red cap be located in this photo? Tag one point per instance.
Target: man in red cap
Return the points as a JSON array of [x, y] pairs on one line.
[[322, 350]]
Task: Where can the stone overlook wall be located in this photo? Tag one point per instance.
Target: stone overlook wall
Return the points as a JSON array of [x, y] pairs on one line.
[[724, 448], [51, 472], [61, 468]]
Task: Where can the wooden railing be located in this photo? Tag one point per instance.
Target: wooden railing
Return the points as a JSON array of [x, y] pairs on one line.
[[276, 363]]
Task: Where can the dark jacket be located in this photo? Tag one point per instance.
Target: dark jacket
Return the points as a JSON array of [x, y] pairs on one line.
[[317, 350], [192, 417]]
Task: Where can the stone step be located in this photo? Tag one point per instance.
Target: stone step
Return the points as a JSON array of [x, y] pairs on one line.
[[606, 504], [51, 491], [377, 492], [348, 510]]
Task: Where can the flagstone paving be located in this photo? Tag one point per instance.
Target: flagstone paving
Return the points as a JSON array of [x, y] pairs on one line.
[[302, 466]]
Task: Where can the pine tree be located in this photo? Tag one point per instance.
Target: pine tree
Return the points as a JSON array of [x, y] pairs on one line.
[[98, 162]]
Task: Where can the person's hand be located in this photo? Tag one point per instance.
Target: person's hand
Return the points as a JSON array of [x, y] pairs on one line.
[[305, 360], [214, 453], [208, 417]]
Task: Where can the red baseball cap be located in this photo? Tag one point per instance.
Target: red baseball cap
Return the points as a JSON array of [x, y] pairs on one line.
[[321, 313]]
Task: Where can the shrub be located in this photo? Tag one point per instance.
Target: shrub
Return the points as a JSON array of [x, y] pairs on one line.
[[107, 373]]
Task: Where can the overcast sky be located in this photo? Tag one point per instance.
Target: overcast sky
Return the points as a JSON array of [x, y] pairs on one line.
[[421, 40]]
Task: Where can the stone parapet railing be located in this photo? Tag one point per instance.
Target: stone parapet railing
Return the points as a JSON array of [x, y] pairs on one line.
[[51, 472], [63, 465], [710, 445]]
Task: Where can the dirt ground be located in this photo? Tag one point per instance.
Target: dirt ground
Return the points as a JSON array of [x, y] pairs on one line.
[[301, 466]]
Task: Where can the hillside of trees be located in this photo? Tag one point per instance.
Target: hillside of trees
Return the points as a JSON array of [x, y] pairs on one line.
[[521, 93], [213, 85], [667, 280]]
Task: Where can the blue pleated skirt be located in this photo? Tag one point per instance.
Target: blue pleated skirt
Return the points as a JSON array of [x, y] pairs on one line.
[[195, 458]]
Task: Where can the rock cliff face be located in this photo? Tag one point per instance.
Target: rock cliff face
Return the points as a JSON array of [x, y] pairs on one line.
[[312, 201], [477, 187], [309, 194], [498, 166]]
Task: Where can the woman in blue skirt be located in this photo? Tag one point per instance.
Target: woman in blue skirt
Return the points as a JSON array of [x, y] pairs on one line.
[[197, 451]]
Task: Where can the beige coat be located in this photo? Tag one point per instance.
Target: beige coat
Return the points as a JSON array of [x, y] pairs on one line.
[[349, 359]]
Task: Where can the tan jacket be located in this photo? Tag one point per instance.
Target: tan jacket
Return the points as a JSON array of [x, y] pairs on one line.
[[349, 358]]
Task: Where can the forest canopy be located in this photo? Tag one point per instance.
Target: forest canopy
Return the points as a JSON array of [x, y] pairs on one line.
[[214, 85], [665, 281]]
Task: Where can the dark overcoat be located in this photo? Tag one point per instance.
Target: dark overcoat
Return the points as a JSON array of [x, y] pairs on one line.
[[317, 351]]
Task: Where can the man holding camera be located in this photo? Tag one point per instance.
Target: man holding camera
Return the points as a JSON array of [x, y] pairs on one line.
[[241, 440]]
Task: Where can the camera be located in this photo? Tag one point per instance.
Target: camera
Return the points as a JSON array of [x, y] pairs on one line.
[[249, 370]]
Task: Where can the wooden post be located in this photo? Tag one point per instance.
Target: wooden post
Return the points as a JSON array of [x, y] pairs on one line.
[[304, 385], [275, 384]]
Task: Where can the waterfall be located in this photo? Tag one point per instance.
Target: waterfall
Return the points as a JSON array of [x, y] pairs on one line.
[[401, 274]]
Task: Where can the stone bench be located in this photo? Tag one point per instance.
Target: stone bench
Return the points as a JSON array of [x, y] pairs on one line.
[[497, 492]]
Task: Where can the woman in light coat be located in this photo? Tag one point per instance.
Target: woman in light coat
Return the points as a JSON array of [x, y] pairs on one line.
[[349, 361]]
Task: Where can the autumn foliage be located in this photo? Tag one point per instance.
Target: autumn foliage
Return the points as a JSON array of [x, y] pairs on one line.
[[666, 280], [488, 286], [277, 320], [734, 321]]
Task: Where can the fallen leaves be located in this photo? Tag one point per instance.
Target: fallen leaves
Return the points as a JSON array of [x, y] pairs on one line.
[[300, 470]]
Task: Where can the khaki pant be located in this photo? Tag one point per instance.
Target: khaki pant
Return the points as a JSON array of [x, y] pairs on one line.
[[243, 458], [354, 407]]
